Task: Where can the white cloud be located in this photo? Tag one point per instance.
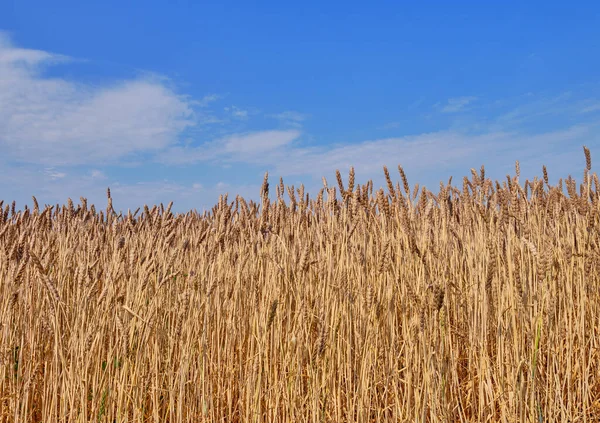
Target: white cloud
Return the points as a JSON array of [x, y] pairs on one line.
[[539, 110], [53, 174], [54, 121], [25, 58], [425, 151], [258, 142], [290, 115], [390, 125], [457, 104], [290, 118], [208, 99], [244, 147], [236, 112], [429, 155], [423, 154], [97, 174]]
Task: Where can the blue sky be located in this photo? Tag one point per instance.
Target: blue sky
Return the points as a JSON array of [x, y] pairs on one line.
[[184, 101]]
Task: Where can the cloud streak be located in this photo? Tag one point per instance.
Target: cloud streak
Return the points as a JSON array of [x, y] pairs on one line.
[[458, 104], [244, 147], [237, 113], [591, 108], [290, 118]]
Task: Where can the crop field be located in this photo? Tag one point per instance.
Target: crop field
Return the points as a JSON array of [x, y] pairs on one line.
[[478, 303]]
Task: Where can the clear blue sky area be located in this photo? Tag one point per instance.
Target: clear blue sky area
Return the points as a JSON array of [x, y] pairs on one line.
[[184, 101]]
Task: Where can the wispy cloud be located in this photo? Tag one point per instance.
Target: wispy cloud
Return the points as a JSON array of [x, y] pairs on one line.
[[245, 147], [258, 142], [538, 111], [290, 118], [591, 108], [236, 112], [25, 58], [458, 104], [423, 153], [390, 125], [97, 174], [430, 158], [53, 121], [53, 174], [208, 99]]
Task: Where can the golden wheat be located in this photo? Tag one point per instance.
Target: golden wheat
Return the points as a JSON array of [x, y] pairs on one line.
[[480, 304]]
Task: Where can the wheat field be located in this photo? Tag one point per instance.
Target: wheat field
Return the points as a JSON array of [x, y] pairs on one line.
[[475, 304]]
